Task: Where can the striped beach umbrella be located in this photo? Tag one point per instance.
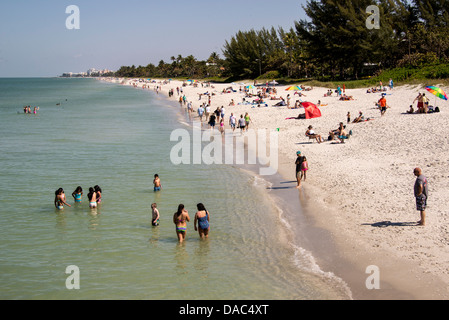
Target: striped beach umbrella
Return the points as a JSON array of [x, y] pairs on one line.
[[293, 88], [438, 92]]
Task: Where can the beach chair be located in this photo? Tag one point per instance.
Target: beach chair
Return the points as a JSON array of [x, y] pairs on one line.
[[312, 137]]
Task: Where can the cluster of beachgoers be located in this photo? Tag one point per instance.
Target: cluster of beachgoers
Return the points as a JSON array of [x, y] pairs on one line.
[[180, 218], [362, 191], [27, 110], [94, 197]]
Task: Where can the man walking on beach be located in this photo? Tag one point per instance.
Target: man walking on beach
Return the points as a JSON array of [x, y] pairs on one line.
[[298, 163], [200, 113], [383, 105], [421, 194]]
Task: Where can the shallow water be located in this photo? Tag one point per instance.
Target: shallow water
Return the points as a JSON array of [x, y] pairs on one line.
[[118, 137]]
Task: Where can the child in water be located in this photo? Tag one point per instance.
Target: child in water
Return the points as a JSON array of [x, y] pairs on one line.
[[157, 183], [156, 215]]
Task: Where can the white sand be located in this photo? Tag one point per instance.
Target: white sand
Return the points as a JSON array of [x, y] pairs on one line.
[[362, 191]]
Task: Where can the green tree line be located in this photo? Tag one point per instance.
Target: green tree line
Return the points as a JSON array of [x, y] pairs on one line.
[[333, 42]]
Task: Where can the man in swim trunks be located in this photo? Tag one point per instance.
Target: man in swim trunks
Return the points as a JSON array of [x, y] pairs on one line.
[[298, 163], [421, 194], [242, 123]]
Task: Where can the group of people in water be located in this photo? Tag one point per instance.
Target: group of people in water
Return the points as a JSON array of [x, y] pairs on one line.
[[27, 110], [201, 221], [94, 197], [180, 218]]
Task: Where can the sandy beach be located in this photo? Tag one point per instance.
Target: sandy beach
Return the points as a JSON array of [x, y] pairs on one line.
[[361, 192]]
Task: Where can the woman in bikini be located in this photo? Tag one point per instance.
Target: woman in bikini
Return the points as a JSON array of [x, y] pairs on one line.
[[60, 200], [92, 196], [203, 218], [98, 192], [78, 194], [180, 219]]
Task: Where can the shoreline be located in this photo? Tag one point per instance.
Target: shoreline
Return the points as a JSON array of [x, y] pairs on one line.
[[343, 245]]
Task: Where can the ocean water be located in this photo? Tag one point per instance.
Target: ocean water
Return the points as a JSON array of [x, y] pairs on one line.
[[89, 132]]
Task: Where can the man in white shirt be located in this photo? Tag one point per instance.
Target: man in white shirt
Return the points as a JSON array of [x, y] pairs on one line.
[[232, 121]]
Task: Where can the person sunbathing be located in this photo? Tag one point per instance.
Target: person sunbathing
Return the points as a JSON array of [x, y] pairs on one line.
[[346, 98], [281, 103], [360, 118], [300, 116], [312, 135]]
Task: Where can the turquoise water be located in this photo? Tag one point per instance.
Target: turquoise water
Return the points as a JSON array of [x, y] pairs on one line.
[[118, 137]]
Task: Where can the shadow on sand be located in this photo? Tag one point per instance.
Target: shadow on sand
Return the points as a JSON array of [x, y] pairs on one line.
[[283, 182], [385, 224]]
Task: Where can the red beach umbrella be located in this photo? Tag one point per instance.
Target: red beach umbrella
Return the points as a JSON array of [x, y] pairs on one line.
[[311, 110]]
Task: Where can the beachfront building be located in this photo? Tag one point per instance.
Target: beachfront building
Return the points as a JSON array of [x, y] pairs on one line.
[[92, 72]]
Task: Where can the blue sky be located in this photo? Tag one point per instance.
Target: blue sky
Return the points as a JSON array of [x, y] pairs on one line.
[[34, 40]]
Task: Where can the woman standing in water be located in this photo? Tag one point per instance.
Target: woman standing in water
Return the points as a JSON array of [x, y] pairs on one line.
[[92, 196], [203, 218], [98, 192], [78, 194], [180, 219], [60, 200]]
